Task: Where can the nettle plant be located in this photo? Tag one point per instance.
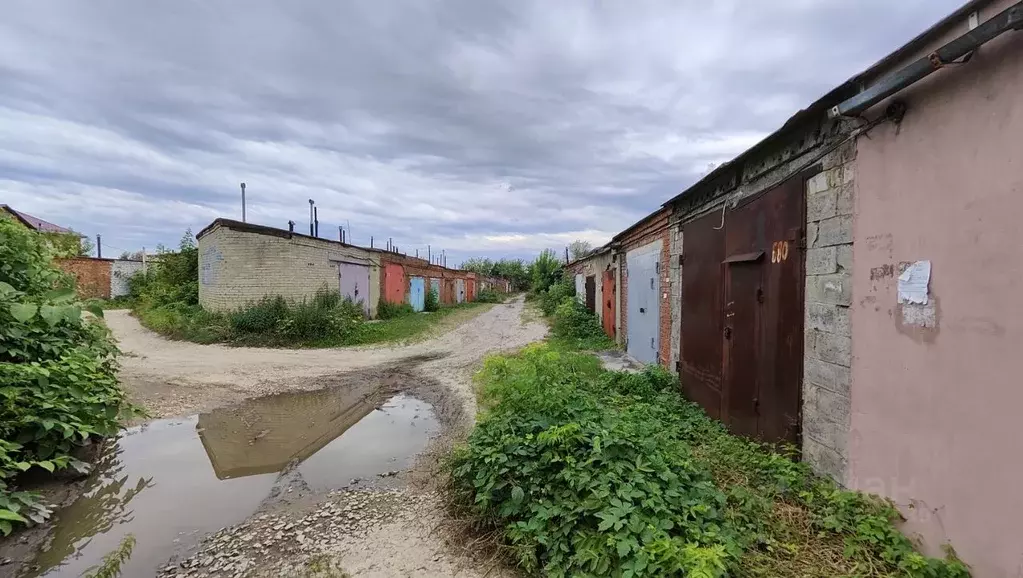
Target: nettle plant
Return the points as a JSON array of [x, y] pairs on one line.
[[58, 384]]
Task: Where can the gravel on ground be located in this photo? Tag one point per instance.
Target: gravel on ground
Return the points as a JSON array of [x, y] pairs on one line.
[[371, 530]]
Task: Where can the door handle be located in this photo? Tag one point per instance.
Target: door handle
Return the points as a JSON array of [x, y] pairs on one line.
[[728, 332]]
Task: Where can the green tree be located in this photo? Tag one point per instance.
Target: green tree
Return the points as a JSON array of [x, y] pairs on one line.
[[579, 249], [545, 271]]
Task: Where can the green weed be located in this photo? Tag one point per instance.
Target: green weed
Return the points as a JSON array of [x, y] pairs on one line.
[[595, 473]]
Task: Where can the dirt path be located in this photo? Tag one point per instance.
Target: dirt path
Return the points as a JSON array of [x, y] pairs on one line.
[[175, 378], [379, 532]]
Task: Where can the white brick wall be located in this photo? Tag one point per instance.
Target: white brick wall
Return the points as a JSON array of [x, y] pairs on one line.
[[239, 267], [120, 272]]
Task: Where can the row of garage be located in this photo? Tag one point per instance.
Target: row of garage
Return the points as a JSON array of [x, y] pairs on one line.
[[240, 263], [850, 285]]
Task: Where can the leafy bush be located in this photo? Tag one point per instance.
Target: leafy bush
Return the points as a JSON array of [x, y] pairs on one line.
[[594, 473], [326, 316], [172, 276], [572, 321], [489, 296], [58, 382], [432, 301], [388, 310], [555, 295], [264, 316]]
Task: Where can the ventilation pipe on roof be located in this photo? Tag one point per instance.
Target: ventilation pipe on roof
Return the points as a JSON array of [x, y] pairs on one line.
[[1009, 19]]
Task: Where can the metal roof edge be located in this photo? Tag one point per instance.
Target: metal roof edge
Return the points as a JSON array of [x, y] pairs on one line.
[[835, 95]]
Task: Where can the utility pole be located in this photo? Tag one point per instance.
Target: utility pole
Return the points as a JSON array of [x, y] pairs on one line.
[[311, 203], [99, 247], [243, 202]]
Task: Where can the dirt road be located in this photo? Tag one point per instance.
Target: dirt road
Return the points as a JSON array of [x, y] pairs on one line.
[[373, 531], [175, 378]]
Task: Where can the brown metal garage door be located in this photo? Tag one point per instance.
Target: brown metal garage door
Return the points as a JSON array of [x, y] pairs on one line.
[[742, 314]]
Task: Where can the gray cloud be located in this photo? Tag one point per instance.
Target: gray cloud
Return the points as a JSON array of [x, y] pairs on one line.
[[484, 128]]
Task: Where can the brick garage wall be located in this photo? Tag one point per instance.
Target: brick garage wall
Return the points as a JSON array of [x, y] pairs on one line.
[[653, 228], [92, 276], [241, 264], [828, 332]]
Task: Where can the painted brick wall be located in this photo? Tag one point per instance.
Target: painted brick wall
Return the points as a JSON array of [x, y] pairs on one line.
[[92, 276], [827, 330], [237, 267]]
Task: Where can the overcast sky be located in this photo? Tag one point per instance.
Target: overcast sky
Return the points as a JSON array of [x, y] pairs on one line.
[[486, 128]]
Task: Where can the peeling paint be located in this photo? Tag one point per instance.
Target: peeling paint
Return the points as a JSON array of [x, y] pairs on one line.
[[921, 323]]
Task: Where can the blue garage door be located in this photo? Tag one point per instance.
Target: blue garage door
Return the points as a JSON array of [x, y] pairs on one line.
[[643, 303], [417, 293]]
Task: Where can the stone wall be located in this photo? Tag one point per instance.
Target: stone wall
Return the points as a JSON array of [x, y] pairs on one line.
[[827, 330], [675, 293]]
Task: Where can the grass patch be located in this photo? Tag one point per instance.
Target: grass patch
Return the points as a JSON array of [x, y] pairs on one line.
[[596, 473], [323, 321], [419, 326]]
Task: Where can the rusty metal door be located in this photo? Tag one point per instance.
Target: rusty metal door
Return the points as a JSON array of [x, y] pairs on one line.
[[591, 293], [741, 336], [700, 355], [764, 314], [608, 295], [742, 281]]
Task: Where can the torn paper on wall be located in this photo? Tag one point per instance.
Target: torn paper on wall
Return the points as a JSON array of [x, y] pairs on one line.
[[913, 283]]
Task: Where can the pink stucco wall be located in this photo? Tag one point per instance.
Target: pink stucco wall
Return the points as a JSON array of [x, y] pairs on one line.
[[936, 410]]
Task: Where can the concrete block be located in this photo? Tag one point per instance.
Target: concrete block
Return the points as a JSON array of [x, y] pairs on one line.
[[844, 202], [845, 258], [834, 231], [811, 234], [828, 318], [809, 338], [817, 184], [832, 435], [822, 261], [835, 289], [827, 405], [840, 156], [834, 348], [823, 460], [817, 373], [835, 177], [820, 206]]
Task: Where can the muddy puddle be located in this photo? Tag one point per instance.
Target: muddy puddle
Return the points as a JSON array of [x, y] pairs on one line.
[[170, 482]]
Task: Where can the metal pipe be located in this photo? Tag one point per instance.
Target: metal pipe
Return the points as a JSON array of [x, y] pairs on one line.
[[371, 241], [291, 226], [316, 221], [243, 202], [1009, 19], [99, 247], [311, 202]]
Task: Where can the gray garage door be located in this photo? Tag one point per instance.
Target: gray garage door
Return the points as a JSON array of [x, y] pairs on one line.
[[643, 304]]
